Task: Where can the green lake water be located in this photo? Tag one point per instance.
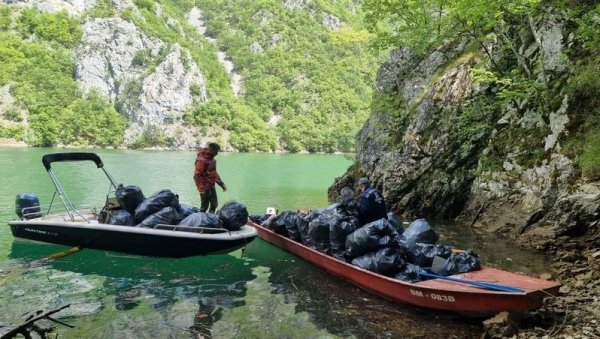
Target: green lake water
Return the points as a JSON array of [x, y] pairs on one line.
[[258, 292]]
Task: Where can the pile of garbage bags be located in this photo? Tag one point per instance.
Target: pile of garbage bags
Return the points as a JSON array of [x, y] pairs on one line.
[[163, 207], [382, 246]]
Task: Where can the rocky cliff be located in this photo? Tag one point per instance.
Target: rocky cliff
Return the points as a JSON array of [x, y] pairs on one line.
[[440, 143], [114, 59], [106, 63], [444, 143]]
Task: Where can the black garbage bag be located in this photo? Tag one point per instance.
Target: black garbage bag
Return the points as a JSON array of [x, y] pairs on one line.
[[329, 209], [347, 203], [121, 217], [395, 221], [410, 273], [285, 224], [187, 210], [302, 223], [419, 231], [291, 223], [460, 263], [267, 222], [371, 237], [318, 231], [129, 197], [201, 219], [272, 224], [339, 229], [386, 261], [234, 215], [155, 203], [167, 216], [259, 219], [422, 254]]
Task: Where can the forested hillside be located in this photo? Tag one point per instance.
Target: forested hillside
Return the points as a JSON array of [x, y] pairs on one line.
[[317, 79], [275, 75]]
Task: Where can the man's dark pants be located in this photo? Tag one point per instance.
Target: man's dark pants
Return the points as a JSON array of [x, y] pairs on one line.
[[208, 200]]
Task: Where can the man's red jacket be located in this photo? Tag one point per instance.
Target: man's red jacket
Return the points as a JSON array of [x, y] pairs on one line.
[[205, 173]]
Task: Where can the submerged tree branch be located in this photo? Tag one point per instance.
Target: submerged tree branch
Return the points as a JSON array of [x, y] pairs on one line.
[[29, 325]]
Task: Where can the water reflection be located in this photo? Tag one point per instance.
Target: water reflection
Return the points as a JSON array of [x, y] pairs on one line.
[[229, 267], [267, 313], [493, 250], [265, 292], [343, 309], [107, 288]]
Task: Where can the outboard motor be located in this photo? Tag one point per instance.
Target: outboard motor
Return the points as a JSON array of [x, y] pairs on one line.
[[27, 206]]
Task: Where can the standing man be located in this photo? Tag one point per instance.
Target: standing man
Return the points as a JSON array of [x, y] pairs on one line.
[[205, 177], [371, 206]]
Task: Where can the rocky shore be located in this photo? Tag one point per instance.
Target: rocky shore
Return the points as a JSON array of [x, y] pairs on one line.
[[9, 142], [575, 313]]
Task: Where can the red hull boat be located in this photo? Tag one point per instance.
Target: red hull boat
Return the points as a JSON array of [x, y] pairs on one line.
[[438, 294]]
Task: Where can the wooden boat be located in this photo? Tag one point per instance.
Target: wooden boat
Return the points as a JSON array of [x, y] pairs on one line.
[[438, 294], [73, 226]]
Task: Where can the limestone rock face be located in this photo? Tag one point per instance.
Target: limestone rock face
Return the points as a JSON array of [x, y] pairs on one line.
[[73, 7], [114, 60], [123, 4], [437, 146], [255, 47], [167, 89], [407, 160], [196, 18], [295, 4], [166, 94], [263, 17], [331, 21], [105, 60]]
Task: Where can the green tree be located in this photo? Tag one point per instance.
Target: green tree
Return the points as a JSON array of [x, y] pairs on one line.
[[5, 17], [58, 27], [45, 129], [12, 131], [588, 28], [422, 25], [92, 121]]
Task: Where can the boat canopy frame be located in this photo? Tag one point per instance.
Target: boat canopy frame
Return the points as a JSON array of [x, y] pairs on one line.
[[48, 159]]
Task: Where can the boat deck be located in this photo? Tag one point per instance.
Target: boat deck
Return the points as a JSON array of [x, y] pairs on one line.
[[489, 275]]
